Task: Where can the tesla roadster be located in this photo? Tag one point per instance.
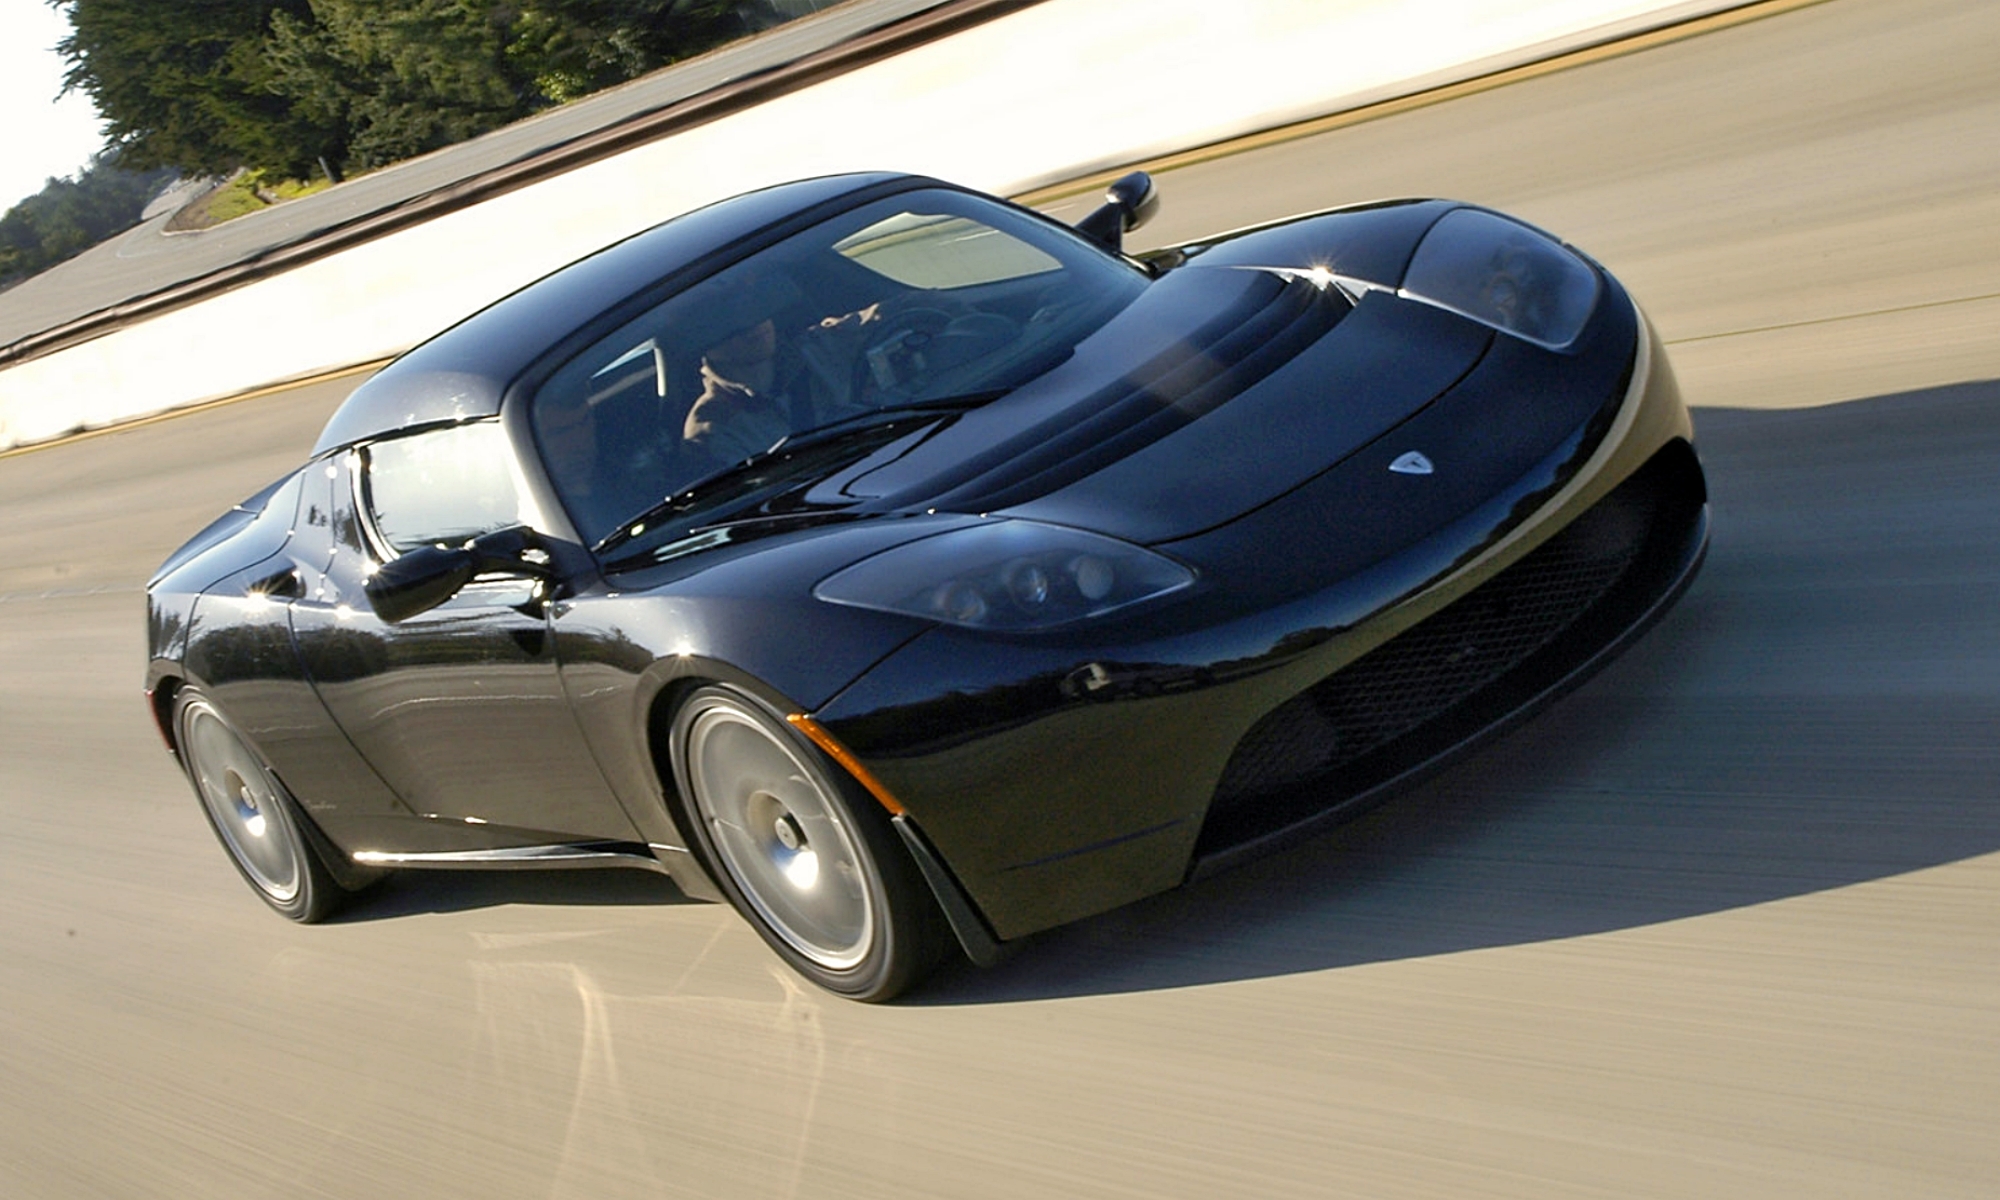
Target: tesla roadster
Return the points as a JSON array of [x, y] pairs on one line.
[[916, 573]]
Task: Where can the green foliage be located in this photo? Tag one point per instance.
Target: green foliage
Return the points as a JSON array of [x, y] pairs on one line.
[[184, 84], [234, 199], [244, 193], [212, 85], [292, 189], [570, 48], [400, 77], [68, 216]]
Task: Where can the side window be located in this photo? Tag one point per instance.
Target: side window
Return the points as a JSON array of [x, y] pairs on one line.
[[444, 485]]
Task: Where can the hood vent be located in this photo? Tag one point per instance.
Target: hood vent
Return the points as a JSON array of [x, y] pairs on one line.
[[1223, 358]]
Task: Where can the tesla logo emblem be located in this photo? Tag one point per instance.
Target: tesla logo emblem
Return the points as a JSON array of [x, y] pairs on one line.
[[1412, 463]]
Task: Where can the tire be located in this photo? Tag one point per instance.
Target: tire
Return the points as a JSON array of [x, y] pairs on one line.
[[807, 857], [255, 819]]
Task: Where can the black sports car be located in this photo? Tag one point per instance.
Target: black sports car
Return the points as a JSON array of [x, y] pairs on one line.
[[907, 568]]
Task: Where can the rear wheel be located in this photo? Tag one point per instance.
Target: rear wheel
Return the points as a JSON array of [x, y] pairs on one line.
[[807, 859], [254, 818]]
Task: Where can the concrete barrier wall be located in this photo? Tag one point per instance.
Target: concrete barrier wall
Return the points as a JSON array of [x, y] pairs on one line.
[[1052, 92]]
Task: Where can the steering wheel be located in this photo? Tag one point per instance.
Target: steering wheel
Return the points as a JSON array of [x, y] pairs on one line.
[[894, 363], [925, 349]]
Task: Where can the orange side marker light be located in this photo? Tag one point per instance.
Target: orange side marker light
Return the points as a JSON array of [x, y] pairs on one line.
[[845, 757]]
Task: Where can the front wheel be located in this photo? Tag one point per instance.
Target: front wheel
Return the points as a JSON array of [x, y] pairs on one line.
[[253, 816], [812, 864]]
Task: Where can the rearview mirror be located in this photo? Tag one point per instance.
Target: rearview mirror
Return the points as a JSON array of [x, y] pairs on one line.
[[421, 579], [1129, 203]]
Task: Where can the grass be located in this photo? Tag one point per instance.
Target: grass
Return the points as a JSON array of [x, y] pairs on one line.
[[248, 192]]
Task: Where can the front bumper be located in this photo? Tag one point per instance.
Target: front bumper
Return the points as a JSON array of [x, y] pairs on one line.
[[1064, 776]]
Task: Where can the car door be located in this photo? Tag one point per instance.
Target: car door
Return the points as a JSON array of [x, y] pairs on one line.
[[459, 708]]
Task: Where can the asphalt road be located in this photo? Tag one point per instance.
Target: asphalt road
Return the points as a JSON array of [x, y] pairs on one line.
[[1721, 924]]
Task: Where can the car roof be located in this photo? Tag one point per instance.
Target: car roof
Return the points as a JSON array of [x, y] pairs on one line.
[[463, 373]]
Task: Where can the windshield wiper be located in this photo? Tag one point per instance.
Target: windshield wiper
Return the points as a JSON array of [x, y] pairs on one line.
[[819, 435]]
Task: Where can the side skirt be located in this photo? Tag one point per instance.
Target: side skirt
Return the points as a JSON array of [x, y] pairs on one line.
[[567, 854]]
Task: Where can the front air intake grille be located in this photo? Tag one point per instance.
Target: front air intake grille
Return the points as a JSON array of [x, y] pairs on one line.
[[1428, 669], [1459, 670]]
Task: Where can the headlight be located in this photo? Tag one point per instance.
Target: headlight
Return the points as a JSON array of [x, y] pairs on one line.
[[1006, 575], [1503, 274]]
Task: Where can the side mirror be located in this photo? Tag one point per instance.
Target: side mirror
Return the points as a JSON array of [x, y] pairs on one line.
[[418, 581], [1129, 203], [421, 579]]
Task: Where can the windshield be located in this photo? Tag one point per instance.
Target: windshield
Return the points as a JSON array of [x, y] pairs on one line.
[[907, 302]]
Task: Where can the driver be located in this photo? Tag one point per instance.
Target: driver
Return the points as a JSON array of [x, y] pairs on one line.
[[749, 397], [758, 386]]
